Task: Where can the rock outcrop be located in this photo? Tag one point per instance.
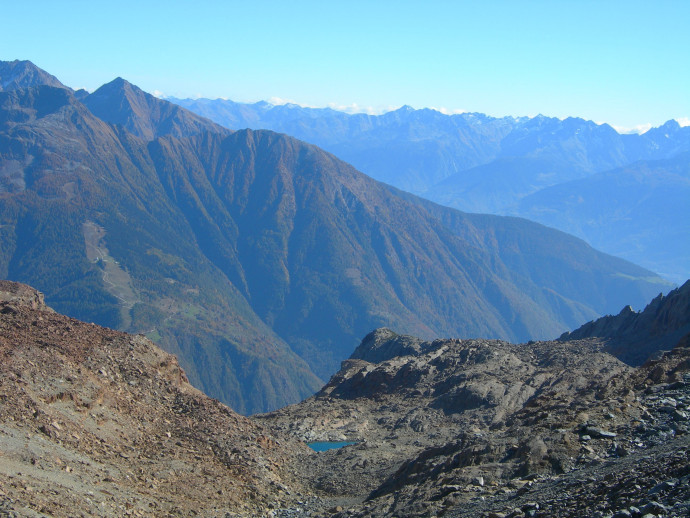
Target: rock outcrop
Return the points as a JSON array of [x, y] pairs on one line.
[[95, 422], [488, 428], [443, 395], [634, 336]]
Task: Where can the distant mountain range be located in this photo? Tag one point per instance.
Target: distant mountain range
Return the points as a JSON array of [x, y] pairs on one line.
[[257, 258], [478, 163], [640, 211]]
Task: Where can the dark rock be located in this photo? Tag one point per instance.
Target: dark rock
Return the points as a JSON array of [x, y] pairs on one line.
[[663, 487], [654, 508]]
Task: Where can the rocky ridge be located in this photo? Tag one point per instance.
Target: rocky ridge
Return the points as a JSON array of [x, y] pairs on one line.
[[635, 336], [105, 423], [488, 428], [94, 422], [448, 394]]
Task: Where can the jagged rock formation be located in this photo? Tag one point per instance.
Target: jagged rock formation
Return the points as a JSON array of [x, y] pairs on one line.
[[95, 422], [487, 428], [635, 336]]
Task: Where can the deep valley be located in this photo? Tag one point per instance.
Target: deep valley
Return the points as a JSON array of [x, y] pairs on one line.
[[202, 319]]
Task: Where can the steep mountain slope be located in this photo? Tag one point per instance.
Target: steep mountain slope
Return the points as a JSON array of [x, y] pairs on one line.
[[639, 212], [325, 252], [23, 74], [537, 168], [85, 218], [238, 250], [635, 336], [100, 423]]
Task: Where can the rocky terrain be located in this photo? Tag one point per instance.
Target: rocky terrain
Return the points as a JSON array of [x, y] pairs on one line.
[[488, 428], [634, 336], [95, 422]]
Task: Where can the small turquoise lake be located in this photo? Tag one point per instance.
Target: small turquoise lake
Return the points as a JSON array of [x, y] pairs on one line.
[[329, 445]]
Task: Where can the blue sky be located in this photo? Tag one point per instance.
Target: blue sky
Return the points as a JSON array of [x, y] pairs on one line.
[[621, 62]]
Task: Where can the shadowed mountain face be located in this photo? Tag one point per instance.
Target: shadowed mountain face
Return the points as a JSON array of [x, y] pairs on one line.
[[635, 336], [571, 174], [260, 259]]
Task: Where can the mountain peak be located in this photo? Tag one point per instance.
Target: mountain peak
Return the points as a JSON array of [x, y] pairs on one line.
[[671, 125], [146, 116], [24, 74]]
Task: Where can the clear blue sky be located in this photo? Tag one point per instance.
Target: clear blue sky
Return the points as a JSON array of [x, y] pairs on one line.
[[622, 62]]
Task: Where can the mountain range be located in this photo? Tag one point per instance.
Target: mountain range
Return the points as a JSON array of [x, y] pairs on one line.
[[509, 166], [105, 422], [255, 257]]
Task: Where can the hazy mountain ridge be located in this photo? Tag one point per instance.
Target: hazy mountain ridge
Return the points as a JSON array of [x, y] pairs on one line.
[[251, 253], [639, 212], [477, 163], [452, 143]]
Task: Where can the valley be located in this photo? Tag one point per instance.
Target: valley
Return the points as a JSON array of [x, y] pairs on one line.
[[208, 321], [105, 422], [260, 260]]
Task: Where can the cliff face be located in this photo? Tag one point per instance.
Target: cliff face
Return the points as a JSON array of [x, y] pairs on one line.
[[634, 336], [106, 423]]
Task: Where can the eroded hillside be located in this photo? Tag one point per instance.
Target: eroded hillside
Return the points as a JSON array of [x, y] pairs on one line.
[[94, 422]]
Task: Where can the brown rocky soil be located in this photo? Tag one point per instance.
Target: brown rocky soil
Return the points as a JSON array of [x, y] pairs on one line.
[[95, 422]]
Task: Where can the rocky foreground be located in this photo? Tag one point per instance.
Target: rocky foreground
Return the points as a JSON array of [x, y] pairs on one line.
[[94, 422], [488, 428]]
